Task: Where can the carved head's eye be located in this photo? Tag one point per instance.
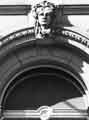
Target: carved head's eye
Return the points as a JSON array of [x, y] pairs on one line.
[[49, 14], [41, 14]]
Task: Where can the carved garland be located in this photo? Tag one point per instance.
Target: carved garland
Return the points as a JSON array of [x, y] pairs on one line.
[[64, 32], [76, 37]]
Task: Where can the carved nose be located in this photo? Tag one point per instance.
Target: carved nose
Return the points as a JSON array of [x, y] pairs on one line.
[[45, 15]]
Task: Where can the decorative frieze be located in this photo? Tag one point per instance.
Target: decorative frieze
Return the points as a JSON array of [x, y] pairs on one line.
[[76, 37]]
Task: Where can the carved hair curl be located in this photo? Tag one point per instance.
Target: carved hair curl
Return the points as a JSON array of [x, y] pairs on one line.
[[42, 5]]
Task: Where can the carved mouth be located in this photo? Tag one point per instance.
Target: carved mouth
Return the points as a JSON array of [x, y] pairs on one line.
[[45, 21]]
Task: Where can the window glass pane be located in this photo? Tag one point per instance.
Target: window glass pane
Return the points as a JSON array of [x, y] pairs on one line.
[[40, 90]]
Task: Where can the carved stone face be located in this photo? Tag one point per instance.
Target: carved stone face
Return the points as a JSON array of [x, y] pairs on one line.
[[45, 16], [43, 13]]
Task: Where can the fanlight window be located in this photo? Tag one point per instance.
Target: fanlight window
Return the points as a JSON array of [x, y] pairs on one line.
[[44, 94]]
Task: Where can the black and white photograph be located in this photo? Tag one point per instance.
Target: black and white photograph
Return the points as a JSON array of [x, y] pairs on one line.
[[44, 59]]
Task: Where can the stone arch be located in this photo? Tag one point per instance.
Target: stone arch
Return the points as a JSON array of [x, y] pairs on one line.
[[21, 47]]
